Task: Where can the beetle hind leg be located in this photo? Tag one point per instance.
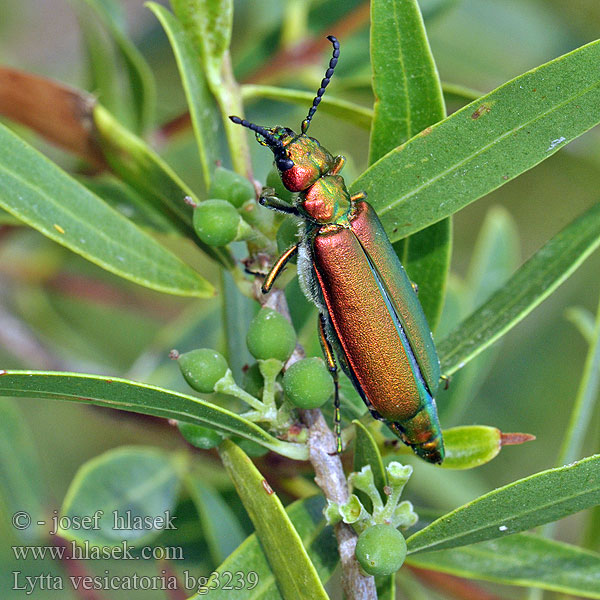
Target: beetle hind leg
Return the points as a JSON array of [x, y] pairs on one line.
[[333, 370]]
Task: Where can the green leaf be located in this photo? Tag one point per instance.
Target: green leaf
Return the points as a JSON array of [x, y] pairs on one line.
[[587, 394], [527, 288], [494, 258], [125, 200], [426, 258], [237, 312], [485, 144], [136, 482], [221, 528], [583, 320], [296, 575], [366, 453], [146, 172], [102, 75], [208, 24], [140, 77], [205, 117], [342, 109], [541, 498], [8, 219], [22, 483], [141, 398], [307, 517], [408, 98], [39, 193], [408, 93], [523, 560]]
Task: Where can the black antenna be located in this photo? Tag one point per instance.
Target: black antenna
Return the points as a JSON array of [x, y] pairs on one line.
[[271, 139], [324, 82]]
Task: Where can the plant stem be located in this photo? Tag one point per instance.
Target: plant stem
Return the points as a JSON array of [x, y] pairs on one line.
[[329, 475]]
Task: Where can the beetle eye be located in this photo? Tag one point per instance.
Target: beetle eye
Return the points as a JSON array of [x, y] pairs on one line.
[[284, 163]]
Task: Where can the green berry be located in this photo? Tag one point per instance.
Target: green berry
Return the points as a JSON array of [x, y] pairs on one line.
[[287, 234], [202, 368], [216, 222], [274, 181], [231, 187], [380, 550], [270, 335], [199, 436], [307, 383]]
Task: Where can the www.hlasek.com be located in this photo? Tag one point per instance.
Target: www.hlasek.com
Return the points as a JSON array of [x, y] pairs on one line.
[[83, 550]]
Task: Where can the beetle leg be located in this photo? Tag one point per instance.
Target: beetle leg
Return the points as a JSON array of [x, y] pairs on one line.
[[415, 287], [268, 199], [333, 370], [338, 165], [358, 196], [446, 380], [277, 268]]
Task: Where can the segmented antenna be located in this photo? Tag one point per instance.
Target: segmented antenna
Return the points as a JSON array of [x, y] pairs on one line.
[[271, 139], [324, 82]]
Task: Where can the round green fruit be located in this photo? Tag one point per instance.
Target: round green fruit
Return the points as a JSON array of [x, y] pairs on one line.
[[270, 335], [202, 368], [216, 222], [231, 186], [199, 436], [380, 550], [307, 383]]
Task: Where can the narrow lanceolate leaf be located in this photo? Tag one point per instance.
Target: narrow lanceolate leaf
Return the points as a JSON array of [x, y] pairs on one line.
[[541, 498], [296, 575], [523, 560], [527, 288], [145, 171], [366, 452], [426, 258], [220, 526], [208, 24], [485, 144], [205, 117], [408, 93], [39, 193], [356, 114], [259, 582], [122, 394], [140, 77], [408, 98], [22, 482], [585, 401]]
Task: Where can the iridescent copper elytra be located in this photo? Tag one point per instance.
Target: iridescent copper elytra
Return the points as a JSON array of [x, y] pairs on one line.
[[370, 317]]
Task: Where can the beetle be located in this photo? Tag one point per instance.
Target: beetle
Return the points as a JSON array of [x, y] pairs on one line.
[[369, 315]]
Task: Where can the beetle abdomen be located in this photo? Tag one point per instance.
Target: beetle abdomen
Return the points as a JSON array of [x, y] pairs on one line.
[[368, 229], [375, 346]]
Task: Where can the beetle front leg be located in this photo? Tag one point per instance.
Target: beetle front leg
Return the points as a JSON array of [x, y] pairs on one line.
[[333, 370], [277, 268], [270, 200], [358, 196]]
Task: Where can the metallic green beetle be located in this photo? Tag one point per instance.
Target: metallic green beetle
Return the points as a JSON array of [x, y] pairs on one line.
[[370, 317]]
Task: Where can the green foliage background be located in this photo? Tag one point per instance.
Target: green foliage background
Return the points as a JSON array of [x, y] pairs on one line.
[[88, 320]]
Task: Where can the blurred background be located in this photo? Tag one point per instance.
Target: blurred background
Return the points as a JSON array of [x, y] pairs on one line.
[[59, 312]]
